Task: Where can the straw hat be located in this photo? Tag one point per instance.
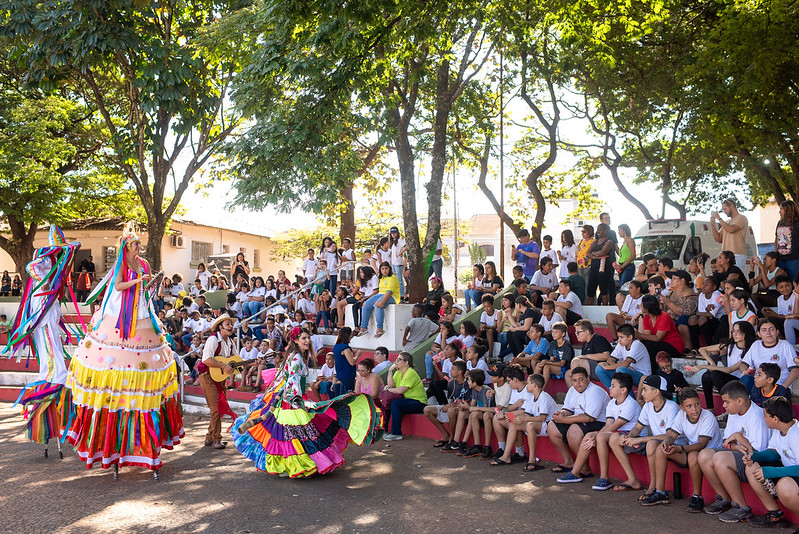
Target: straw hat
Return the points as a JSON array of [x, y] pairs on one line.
[[219, 320]]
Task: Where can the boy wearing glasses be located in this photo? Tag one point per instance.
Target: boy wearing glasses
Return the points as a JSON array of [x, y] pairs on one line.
[[595, 349]]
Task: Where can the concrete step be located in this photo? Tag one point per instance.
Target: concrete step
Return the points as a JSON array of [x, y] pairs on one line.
[[16, 378], [196, 405]]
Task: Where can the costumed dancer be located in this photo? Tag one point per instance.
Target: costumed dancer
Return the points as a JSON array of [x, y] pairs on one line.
[[121, 401], [286, 435], [37, 326], [219, 344]]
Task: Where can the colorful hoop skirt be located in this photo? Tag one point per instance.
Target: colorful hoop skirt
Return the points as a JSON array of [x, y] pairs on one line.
[[120, 404], [303, 442]]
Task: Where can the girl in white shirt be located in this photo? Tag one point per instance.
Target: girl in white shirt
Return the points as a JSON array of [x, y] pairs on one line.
[[567, 253]]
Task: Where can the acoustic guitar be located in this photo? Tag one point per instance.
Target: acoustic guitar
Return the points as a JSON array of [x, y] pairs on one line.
[[217, 374]]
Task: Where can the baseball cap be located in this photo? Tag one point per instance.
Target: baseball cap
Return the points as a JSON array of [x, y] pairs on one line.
[[393, 229], [497, 369], [658, 382]]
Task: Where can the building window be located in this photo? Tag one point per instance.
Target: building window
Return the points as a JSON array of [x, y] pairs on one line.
[[256, 259], [225, 249], [200, 251], [488, 250], [109, 257]]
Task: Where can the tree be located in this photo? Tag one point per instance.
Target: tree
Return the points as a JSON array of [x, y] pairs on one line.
[[160, 89]]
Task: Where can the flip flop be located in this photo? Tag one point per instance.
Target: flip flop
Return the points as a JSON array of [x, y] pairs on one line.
[[624, 487], [498, 461], [532, 467], [440, 443], [560, 468]]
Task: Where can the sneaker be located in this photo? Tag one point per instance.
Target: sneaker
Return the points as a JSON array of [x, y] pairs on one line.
[[499, 453], [602, 484], [657, 497], [569, 478], [392, 437], [475, 450], [462, 448], [452, 446], [488, 453], [696, 504], [719, 506], [770, 520], [736, 514]]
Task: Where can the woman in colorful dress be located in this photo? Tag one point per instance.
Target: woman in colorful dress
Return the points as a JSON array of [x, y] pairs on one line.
[[121, 404], [37, 325], [286, 435]]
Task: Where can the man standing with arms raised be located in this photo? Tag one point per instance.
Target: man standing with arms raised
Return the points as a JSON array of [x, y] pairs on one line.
[[731, 234]]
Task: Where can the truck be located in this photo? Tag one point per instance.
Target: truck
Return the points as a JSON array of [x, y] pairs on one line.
[[681, 240]]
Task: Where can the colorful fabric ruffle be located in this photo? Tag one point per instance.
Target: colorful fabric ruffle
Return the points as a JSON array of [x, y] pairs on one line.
[[40, 408], [303, 442]]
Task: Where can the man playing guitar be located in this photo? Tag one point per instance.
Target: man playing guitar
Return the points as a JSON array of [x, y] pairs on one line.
[[219, 344]]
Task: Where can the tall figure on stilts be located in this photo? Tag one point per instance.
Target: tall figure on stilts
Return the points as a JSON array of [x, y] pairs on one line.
[[121, 397], [37, 326]]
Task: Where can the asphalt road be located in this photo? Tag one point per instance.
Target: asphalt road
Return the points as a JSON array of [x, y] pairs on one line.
[[405, 486]]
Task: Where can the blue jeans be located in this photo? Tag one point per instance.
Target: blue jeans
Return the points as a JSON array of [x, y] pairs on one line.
[[323, 316], [399, 408], [344, 386], [748, 381], [429, 365], [380, 313], [473, 295], [626, 274], [789, 266], [435, 267], [399, 271], [252, 307], [505, 349], [605, 376]]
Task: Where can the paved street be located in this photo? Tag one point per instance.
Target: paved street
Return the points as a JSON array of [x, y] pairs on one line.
[[404, 487]]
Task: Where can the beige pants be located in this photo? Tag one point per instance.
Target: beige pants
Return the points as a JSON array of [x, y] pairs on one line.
[[211, 394]]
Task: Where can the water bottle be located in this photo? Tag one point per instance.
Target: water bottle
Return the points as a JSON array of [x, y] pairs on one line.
[[677, 484]]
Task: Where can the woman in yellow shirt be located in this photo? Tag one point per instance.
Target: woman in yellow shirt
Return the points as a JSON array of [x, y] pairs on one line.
[[403, 380], [584, 263], [387, 293]]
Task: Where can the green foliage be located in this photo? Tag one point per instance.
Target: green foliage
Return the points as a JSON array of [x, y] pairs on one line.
[[476, 253]]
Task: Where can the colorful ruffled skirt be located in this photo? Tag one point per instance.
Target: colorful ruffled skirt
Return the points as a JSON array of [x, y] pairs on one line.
[[40, 404], [303, 442], [121, 400]]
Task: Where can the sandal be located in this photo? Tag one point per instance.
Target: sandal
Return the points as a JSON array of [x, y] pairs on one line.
[[440, 443], [532, 467], [379, 332], [498, 461], [624, 487], [560, 468]]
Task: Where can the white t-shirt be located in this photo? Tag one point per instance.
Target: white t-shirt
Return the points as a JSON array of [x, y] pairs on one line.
[[332, 261], [446, 366], [656, 423], [306, 306], [467, 341], [175, 289], [348, 255], [551, 253], [242, 297], [787, 446], [569, 254], [733, 357], [705, 427], [717, 309], [257, 292], [317, 343], [631, 306], [547, 323], [752, 425], [371, 285], [577, 306], [481, 364], [544, 280], [639, 355], [786, 306], [782, 354], [251, 354], [502, 395], [396, 257], [449, 339], [516, 396], [383, 255], [326, 371], [203, 277], [309, 267], [591, 401], [489, 320], [627, 411], [543, 405], [196, 291]]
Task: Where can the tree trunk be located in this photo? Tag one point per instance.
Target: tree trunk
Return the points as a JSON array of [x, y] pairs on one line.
[[20, 246], [347, 221], [156, 227]]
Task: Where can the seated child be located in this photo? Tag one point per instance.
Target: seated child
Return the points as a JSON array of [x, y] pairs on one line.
[[249, 354], [268, 359], [193, 355], [483, 416], [559, 356], [772, 473], [438, 386], [502, 418], [326, 379], [583, 411], [447, 412], [621, 416], [724, 467], [474, 356], [654, 419], [630, 356], [549, 318], [701, 430], [538, 409], [674, 378], [488, 323], [535, 349], [418, 330], [477, 397], [766, 385]]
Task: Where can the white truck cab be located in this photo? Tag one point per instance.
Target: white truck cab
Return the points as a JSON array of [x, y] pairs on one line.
[[681, 240]]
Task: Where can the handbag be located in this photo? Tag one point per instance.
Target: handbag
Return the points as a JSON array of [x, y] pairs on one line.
[[387, 397]]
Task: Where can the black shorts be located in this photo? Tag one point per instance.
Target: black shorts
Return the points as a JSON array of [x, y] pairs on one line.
[[571, 317], [593, 426], [740, 468]]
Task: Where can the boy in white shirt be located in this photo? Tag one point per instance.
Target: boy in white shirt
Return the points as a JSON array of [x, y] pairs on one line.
[[772, 473], [249, 354], [323, 385], [544, 280], [549, 252], [701, 431], [630, 357], [484, 415], [629, 307], [310, 266], [710, 308], [724, 467], [621, 416], [488, 323], [502, 418], [770, 349], [538, 409], [654, 419], [583, 411], [786, 308], [568, 305], [549, 317]]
